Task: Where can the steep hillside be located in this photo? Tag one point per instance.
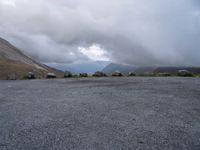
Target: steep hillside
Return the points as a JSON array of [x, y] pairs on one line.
[[13, 61]]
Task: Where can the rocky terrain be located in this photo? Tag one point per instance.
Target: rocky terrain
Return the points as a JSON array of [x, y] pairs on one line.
[[14, 62]]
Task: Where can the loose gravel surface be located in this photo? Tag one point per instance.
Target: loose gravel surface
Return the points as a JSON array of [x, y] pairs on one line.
[[100, 114]]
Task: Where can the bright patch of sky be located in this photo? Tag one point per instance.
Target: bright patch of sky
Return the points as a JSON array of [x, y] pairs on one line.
[[8, 2], [94, 52]]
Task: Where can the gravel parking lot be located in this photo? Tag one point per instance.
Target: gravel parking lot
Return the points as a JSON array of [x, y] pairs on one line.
[[100, 114]]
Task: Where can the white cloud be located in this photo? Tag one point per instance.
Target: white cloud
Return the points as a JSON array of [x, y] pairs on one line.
[[8, 2], [94, 52], [141, 32]]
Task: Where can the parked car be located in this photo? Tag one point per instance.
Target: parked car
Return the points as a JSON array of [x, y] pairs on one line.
[[30, 75], [67, 74], [99, 74], [83, 75], [164, 74], [51, 75], [131, 74], [185, 73], [117, 74], [12, 76]]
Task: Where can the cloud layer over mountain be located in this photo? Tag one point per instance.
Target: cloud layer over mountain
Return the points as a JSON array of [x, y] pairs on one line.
[[140, 32]]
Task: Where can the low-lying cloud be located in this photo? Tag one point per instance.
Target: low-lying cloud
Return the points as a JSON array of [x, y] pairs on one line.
[[140, 32]]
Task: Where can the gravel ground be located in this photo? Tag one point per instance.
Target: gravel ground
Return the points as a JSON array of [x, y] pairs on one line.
[[100, 114]]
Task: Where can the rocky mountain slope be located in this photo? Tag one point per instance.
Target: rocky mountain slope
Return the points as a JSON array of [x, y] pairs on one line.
[[14, 62]]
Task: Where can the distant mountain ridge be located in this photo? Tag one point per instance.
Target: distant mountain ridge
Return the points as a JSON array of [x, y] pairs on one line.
[[147, 69], [81, 67], [14, 61], [173, 70], [125, 69]]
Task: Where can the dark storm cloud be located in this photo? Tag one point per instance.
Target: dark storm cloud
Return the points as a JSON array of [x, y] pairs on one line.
[[142, 32]]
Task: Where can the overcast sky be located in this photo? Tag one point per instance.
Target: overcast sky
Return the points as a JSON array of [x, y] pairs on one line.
[[139, 32]]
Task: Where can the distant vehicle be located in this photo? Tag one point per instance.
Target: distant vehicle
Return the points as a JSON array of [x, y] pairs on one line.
[[117, 74], [51, 75], [12, 77], [30, 75], [165, 74], [99, 74], [185, 73], [131, 74], [67, 74], [83, 75]]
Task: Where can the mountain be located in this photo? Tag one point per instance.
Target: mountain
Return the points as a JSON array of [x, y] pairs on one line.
[[14, 61], [81, 67], [147, 69], [174, 70], [125, 69]]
